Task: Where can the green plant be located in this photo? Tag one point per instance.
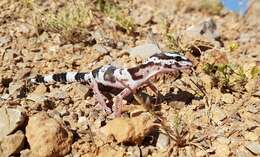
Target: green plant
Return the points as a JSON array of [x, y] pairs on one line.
[[173, 41], [255, 71], [226, 77]]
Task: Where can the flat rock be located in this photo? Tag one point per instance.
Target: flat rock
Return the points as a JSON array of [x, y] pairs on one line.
[[10, 120], [12, 144], [47, 136], [144, 50], [254, 147]]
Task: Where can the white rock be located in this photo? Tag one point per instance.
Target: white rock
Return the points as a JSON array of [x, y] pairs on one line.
[[163, 141], [144, 50]]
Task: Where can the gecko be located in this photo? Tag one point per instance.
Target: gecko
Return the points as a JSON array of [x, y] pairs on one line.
[[128, 80]]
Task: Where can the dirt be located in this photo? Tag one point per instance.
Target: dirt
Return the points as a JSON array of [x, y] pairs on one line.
[[214, 111]]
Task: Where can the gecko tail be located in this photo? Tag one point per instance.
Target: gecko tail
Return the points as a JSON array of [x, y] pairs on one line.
[[65, 77]]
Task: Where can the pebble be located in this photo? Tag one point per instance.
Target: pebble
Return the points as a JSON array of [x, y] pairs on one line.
[[47, 136], [252, 109], [250, 136], [162, 141], [218, 115], [228, 98], [133, 151], [101, 49], [10, 120], [4, 40], [26, 153], [254, 147]]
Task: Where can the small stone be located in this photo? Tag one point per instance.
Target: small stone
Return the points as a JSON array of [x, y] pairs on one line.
[[252, 109], [221, 149], [82, 119], [163, 141], [12, 144], [200, 153], [10, 120], [100, 48], [253, 147], [228, 98], [4, 40], [47, 136], [250, 136], [218, 115], [144, 50], [245, 37], [133, 151], [26, 153]]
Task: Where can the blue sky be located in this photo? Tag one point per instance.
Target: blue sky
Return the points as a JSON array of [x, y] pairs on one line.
[[238, 6]]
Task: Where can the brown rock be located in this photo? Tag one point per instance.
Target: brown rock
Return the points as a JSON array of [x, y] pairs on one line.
[[12, 144], [131, 130], [47, 137]]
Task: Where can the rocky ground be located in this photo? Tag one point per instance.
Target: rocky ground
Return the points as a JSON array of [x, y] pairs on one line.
[[212, 112]]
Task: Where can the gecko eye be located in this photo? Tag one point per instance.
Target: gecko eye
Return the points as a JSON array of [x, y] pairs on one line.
[[178, 58]]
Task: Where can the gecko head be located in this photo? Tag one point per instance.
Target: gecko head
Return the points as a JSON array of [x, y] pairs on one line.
[[170, 61]]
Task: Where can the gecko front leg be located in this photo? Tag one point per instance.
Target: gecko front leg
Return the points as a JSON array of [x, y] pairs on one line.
[[100, 98], [118, 104]]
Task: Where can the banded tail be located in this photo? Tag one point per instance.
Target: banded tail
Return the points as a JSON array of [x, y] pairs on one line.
[[63, 77]]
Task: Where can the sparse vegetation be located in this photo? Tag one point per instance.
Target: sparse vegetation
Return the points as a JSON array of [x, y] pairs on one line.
[[227, 77], [117, 14], [71, 21]]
